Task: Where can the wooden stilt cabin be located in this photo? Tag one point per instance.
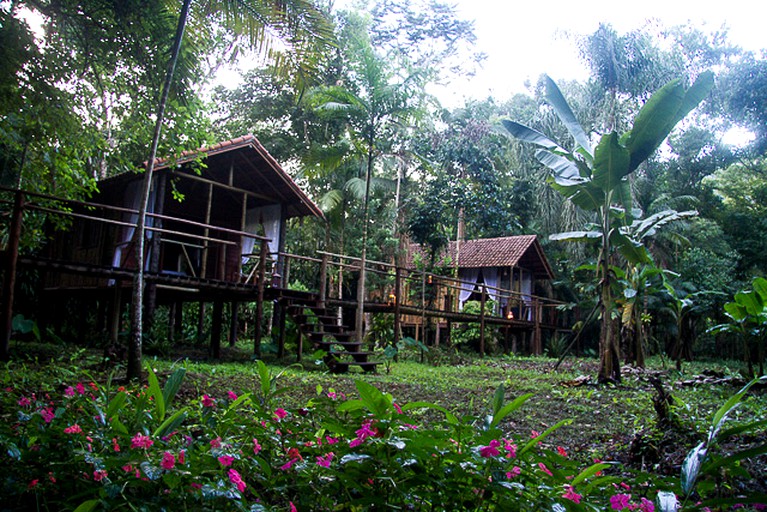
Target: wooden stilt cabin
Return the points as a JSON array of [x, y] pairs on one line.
[[215, 231], [511, 271]]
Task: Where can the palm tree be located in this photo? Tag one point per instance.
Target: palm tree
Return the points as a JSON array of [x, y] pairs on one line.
[[373, 113], [262, 23]]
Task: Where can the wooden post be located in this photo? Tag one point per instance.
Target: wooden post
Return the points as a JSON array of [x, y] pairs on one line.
[[281, 334], [323, 280], [114, 321], [215, 331], [235, 323], [201, 322], [537, 311], [423, 307], [482, 322], [9, 283], [206, 233], [397, 296], [261, 284]]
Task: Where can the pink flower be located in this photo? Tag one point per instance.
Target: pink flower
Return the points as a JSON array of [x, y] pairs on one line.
[[127, 468], [99, 475], [115, 445], [231, 395], [562, 452], [511, 449], [182, 457], [490, 450], [226, 460], [208, 401], [168, 461], [280, 414], [69, 392], [363, 433], [324, 461], [620, 501], [256, 446], [293, 507], [646, 505], [544, 468], [47, 414], [74, 429], [397, 407], [571, 495], [24, 402], [331, 440], [215, 443], [236, 479], [80, 388], [515, 472], [141, 441]]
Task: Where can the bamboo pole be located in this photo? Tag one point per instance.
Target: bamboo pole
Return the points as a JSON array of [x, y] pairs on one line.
[[482, 322]]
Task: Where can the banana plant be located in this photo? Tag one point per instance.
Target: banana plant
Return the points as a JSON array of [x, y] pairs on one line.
[[596, 179], [747, 316]]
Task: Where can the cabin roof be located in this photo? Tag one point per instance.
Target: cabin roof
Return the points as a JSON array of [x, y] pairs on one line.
[[522, 251], [256, 171]]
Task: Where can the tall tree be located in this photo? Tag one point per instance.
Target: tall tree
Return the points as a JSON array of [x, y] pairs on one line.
[[291, 20], [376, 107]]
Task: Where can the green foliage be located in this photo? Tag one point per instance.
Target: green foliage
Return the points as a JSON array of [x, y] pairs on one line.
[[747, 316], [76, 444]]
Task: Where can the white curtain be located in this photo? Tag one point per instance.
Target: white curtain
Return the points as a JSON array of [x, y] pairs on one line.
[[491, 277], [527, 291], [267, 218], [132, 200], [471, 275]]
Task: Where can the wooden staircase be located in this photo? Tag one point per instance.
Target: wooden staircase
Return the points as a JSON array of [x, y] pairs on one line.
[[320, 326]]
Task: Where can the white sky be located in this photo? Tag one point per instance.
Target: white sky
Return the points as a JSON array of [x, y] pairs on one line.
[[524, 39]]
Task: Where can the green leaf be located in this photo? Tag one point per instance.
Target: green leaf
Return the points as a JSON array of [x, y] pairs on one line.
[[563, 168], [630, 249], [691, 467], [115, 404], [508, 409], [694, 95], [373, 399], [265, 380], [87, 506], [557, 101], [760, 287], [526, 134], [498, 398], [451, 418], [734, 458], [171, 424], [576, 236], [666, 502], [654, 122], [611, 163], [546, 433], [589, 472], [156, 393], [172, 385]]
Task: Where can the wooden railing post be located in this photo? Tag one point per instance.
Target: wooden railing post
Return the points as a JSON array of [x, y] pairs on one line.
[[397, 293], [538, 311], [9, 283], [261, 284], [323, 280], [482, 322]]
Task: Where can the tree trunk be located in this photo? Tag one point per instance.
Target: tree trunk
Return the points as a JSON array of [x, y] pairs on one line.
[[363, 257], [137, 299]]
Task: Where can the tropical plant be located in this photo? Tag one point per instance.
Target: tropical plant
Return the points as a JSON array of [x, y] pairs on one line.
[[597, 181], [748, 320]]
